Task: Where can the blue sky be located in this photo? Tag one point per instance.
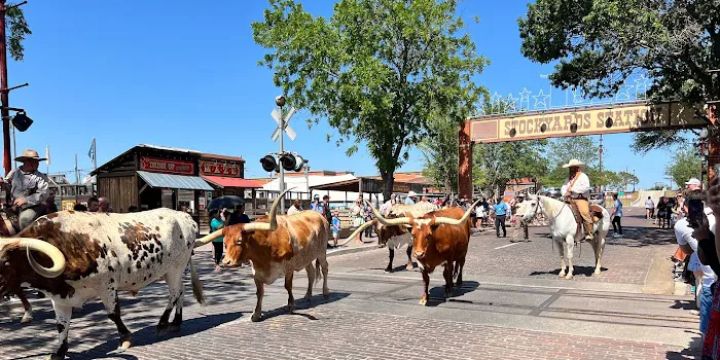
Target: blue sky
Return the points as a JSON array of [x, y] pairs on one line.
[[184, 73]]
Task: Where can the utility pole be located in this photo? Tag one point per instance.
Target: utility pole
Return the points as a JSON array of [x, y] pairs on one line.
[[602, 176], [5, 112], [281, 102]]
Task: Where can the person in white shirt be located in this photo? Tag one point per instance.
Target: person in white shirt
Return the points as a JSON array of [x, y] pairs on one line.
[[295, 208], [703, 273], [386, 207], [577, 190]]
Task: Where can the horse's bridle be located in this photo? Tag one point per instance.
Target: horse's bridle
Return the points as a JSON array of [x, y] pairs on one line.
[[537, 207]]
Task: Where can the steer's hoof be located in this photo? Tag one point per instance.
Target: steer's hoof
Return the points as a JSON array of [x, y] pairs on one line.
[[256, 317], [56, 357], [124, 345], [423, 301], [291, 307], [561, 274], [568, 277], [409, 267], [26, 318], [388, 269]]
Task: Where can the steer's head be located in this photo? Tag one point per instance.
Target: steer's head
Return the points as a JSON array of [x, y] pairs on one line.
[[237, 237], [17, 257], [423, 228]]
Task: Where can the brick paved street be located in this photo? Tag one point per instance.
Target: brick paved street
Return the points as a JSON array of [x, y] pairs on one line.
[[512, 306]]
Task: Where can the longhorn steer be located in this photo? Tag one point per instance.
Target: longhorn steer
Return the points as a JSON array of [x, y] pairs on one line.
[[8, 289], [81, 256], [439, 238], [395, 237], [277, 246]]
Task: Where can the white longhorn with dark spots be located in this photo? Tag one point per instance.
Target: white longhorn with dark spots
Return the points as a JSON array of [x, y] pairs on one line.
[[74, 257]]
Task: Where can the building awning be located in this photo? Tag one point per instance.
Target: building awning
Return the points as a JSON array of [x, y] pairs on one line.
[[170, 181], [223, 182]]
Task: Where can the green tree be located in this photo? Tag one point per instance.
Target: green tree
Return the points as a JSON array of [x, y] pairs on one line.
[[628, 179], [441, 154], [496, 164], [19, 29], [583, 148], [685, 164], [597, 44], [378, 70]]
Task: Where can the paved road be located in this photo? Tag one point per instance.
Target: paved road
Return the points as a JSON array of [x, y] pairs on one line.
[[512, 306]]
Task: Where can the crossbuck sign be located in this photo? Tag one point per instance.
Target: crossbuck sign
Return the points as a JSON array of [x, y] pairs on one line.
[[277, 116]]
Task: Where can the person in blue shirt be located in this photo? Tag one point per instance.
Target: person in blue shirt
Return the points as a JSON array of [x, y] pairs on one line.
[[501, 211], [616, 215], [218, 222], [335, 227]]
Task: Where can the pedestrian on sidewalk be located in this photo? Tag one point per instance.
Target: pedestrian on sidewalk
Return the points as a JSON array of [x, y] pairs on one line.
[[357, 214], [616, 216], [501, 211], [711, 342], [649, 208], [335, 227], [217, 223]]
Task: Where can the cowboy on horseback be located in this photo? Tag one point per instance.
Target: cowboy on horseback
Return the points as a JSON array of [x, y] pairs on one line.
[[576, 191], [28, 188]]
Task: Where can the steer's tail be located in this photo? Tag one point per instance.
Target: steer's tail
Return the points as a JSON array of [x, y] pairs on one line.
[[197, 288], [318, 271]]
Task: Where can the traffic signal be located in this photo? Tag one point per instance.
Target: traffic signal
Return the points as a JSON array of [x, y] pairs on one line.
[[21, 121], [292, 162], [269, 163]]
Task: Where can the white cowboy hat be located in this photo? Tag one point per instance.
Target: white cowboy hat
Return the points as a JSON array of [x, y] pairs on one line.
[[573, 163], [693, 181], [412, 193], [29, 154]]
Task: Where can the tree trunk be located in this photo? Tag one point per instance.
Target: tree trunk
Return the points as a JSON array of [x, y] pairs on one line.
[[389, 182]]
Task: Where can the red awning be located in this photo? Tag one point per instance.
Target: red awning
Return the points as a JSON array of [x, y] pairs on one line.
[[222, 181]]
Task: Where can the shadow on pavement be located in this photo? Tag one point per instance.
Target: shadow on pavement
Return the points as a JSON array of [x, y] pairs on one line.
[[692, 352], [587, 271], [304, 304], [148, 336], [437, 294]]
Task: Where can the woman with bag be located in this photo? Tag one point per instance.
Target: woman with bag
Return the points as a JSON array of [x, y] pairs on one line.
[[357, 214]]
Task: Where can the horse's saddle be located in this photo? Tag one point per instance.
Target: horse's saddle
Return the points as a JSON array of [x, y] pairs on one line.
[[596, 213]]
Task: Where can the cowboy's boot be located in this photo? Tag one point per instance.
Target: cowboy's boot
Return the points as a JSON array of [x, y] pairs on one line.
[[588, 231]]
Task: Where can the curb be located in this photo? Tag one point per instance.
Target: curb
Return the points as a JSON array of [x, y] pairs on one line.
[[352, 250]]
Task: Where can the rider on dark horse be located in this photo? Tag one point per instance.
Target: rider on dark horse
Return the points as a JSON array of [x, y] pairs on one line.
[[28, 189]]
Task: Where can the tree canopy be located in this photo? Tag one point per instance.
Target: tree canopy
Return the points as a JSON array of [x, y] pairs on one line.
[[685, 165], [598, 44], [379, 71]]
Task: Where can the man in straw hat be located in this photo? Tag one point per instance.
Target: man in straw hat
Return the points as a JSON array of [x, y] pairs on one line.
[[576, 190], [28, 187]]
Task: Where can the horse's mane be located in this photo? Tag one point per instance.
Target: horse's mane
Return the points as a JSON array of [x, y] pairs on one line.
[[551, 205]]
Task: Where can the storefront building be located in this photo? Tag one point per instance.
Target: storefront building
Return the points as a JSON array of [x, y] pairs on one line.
[[149, 177]]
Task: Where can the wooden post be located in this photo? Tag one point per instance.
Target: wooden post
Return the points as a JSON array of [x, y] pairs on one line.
[[713, 144], [465, 145]]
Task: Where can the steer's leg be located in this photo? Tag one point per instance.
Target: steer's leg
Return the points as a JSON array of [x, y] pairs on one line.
[[324, 270], [257, 314], [311, 274], [409, 265], [459, 269], [288, 287], [175, 289], [561, 249], [448, 275], [112, 306], [391, 252], [27, 316], [63, 313], [426, 285]]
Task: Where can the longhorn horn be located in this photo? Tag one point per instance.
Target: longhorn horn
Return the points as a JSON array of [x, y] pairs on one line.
[[451, 221], [389, 222], [357, 232], [272, 223], [57, 257], [208, 238]]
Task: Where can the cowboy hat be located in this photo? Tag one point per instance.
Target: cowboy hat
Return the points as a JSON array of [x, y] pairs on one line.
[[29, 154], [412, 193], [693, 181], [573, 163]]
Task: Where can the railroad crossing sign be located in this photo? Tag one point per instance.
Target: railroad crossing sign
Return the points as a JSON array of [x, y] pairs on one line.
[[283, 123]]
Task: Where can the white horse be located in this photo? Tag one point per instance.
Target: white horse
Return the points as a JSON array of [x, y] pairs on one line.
[[563, 228]]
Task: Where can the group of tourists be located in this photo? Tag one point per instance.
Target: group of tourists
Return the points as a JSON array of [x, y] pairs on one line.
[[695, 231], [669, 209]]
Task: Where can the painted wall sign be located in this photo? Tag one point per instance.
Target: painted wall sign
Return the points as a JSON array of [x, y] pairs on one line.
[[583, 121], [220, 168], [167, 166]]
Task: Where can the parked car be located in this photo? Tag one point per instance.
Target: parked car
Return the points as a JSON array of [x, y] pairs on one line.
[[552, 192]]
